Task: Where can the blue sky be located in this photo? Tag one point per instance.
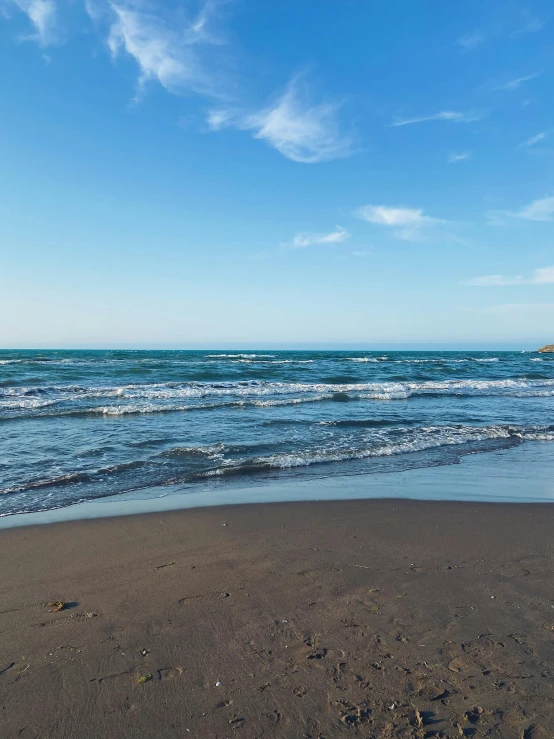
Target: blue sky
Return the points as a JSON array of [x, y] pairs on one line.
[[237, 172]]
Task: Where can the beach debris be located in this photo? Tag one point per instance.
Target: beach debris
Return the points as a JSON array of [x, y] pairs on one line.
[[56, 605], [144, 678], [418, 718], [167, 564]]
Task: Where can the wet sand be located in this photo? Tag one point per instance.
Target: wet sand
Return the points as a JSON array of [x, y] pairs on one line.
[[366, 619]]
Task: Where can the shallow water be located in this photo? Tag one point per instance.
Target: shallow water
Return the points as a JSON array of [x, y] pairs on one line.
[[83, 425]]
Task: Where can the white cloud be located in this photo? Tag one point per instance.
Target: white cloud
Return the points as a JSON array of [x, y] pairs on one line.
[[412, 222], [42, 14], [453, 158], [310, 239], [516, 83], [167, 48], [179, 55], [218, 119], [538, 210], [299, 130], [541, 276], [471, 41], [444, 115], [535, 139], [386, 216]]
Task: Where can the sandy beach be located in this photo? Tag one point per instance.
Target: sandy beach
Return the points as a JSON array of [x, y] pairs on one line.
[[370, 619]]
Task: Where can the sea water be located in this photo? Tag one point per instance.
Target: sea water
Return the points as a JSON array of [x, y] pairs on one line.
[[84, 425]]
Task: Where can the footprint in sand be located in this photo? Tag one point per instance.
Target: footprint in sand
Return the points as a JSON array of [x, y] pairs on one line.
[[352, 714], [113, 676], [204, 596], [318, 570], [27, 733], [513, 569], [460, 664], [168, 673], [15, 670], [75, 617], [164, 673], [8, 667]]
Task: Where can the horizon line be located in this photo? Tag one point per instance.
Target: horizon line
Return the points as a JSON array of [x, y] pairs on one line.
[[300, 346]]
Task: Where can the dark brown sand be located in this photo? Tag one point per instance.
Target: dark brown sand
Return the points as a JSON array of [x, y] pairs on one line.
[[321, 620]]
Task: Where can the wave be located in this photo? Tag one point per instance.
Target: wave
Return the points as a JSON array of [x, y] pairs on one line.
[[418, 440], [241, 356], [260, 387], [173, 396], [171, 466], [429, 360]]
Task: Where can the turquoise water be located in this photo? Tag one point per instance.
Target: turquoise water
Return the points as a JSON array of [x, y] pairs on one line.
[[78, 426]]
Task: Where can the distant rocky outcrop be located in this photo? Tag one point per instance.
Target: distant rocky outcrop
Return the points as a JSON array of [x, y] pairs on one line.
[[547, 348]]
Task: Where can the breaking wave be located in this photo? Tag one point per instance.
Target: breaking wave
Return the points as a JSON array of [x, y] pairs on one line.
[[161, 397]]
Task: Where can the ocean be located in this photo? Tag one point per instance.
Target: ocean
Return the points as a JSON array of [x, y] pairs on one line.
[[84, 425]]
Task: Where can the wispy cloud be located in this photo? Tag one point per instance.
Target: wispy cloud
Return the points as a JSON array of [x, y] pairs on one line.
[[454, 158], [455, 116], [515, 83], [307, 238], [471, 41], [179, 53], [541, 276], [532, 24], [298, 129], [410, 224], [167, 48], [515, 312], [42, 14], [538, 210], [535, 139]]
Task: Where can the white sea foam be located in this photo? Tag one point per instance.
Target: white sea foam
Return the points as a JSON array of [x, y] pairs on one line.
[[159, 396], [241, 356], [414, 440]]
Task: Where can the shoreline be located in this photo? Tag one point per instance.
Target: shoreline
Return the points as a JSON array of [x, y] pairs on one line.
[[282, 620], [500, 476]]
